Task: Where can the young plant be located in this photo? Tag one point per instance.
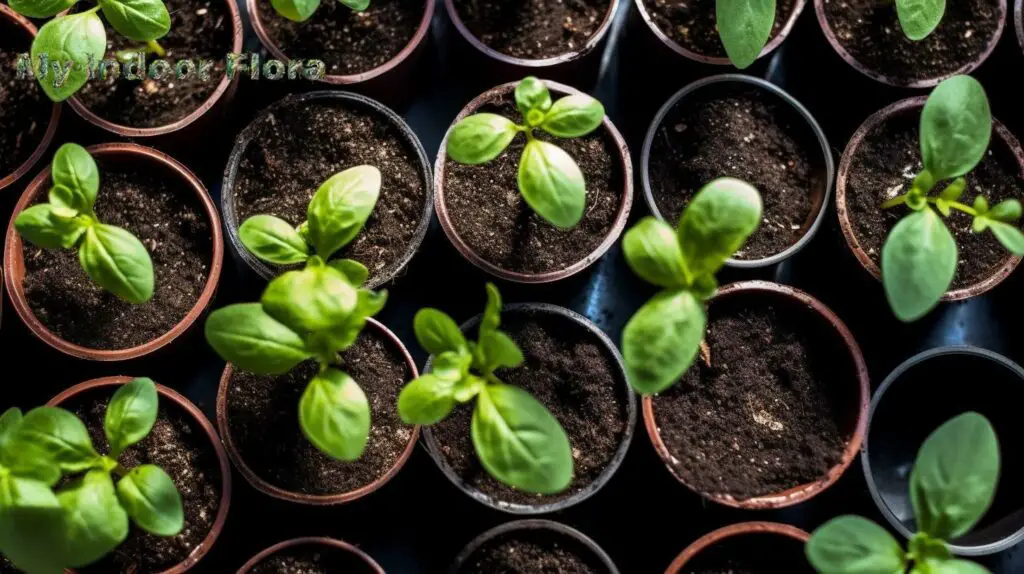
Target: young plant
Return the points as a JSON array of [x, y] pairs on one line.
[[112, 257], [301, 10], [744, 27], [919, 18], [549, 180], [919, 257], [516, 438], [42, 531], [312, 313], [661, 340], [952, 485]]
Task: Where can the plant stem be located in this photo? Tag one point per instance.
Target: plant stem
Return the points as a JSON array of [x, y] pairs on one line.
[[156, 48], [898, 200], [956, 205]]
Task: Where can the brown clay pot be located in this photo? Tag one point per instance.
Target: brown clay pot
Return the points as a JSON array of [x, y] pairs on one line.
[[734, 530], [225, 469], [852, 421], [312, 499], [516, 276], [14, 264], [913, 106], [331, 543]]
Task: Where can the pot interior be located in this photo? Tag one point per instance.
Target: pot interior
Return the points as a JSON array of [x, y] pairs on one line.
[[750, 552]]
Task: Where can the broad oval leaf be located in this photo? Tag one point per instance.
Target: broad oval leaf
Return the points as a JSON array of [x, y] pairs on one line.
[[744, 27], [118, 262], [661, 340], [94, 522], [295, 10], [573, 116], [313, 299], [354, 271], [532, 94], [552, 184], [716, 223], [340, 208], [918, 264], [956, 125], [1011, 237], [21, 459], [426, 400], [69, 41], [480, 138], [335, 415], [139, 20], [152, 500], [436, 332], [653, 252], [273, 240], [955, 567], [131, 414], [40, 8], [31, 526], [499, 350], [245, 335], [854, 545], [50, 227], [1007, 211], [919, 18], [76, 178], [54, 434]]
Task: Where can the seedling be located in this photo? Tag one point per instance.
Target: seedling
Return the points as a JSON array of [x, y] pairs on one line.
[[516, 438], [661, 340], [952, 485], [919, 257], [43, 531], [301, 10], [919, 18], [549, 179], [112, 257], [312, 313], [744, 27]]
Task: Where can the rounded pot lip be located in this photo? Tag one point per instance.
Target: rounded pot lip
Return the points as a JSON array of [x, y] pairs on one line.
[[803, 492], [517, 276], [51, 127], [218, 94], [225, 469], [13, 259], [826, 28], [1017, 23], [312, 499], [772, 44], [533, 524], [246, 137], [732, 531], [433, 448], [310, 540], [256, 20], [825, 150], [843, 213], [891, 379]]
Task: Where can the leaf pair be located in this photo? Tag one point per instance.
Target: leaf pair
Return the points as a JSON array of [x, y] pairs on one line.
[[301, 10], [744, 27]]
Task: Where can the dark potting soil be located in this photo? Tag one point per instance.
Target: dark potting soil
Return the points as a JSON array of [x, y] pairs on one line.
[[533, 29], [692, 23], [533, 552], [884, 166], [200, 29], [751, 554], [309, 559], [491, 217], [348, 42], [569, 371], [24, 108], [263, 416], [163, 212], [747, 133], [760, 419], [870, 32], [297, 148]]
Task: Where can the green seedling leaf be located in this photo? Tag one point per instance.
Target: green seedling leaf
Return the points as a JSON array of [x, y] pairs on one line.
[[95, 523], [313, 299], [117, 261], [956, 125], [918, 264], [273, 240], [1011, 237], [357, 5], [552, 184], [854, 545], [50, 227], [335, 415], [492, 312], [923, 547], [480, 138], [716, 223], [1008, 211], [499, 350], [468, 388], [130, 414], [57, 436], [950, 194], [340, 208], [31, 526], [139, 20], [980, 205], [295, 10], [9, 421], [437, 332], [354, 271], [661, 340], [744, 27], [955, 567], [532, 94], [40, 8], [151, 500], [368, 304], [426, 400], [573, 116], [653, 252], [452, 366], [919, 18], [23, 459], [245, 335], [69, 41], [76, 179]]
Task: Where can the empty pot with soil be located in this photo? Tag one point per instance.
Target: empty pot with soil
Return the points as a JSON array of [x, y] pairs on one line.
[[533, 546], [745, 548], [311, 556]]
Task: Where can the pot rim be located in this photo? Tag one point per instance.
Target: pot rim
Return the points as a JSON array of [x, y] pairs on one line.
[[51, 127], [893, 376], [842, 212], [804, 492], [732, 531], [13, 258], [310, 540], [248, 134], [1017, 23], [533, 524], [825, 149], [313, 499], [225, 469], [613, 234], [256, 20], [433, 449]]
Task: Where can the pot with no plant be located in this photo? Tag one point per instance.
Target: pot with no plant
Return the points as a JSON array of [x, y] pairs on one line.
[[747, 547], [113, 252], [312, 555], [532, 546]]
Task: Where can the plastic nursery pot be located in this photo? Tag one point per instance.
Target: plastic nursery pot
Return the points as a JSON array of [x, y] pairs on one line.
[[447, 224], [324, 545], [811, 135], [1018, 21], [769, 535], [312, 499], [350, 100], [167, 394], [14, 263], [10, 17], [535, 527], [955, 380], [850, 403], [901, 108]]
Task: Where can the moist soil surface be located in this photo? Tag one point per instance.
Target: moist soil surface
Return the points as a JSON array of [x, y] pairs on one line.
[[751, 554], [347, 42], [199, 30], [692, 23], [759, 419], [884, 166], [163, 212], [569, 371], [263, 418], [870, 32], [492, 218], [743, 132], [533, 29], [24, 108], [310, 559], [532, 552], [296, 148]]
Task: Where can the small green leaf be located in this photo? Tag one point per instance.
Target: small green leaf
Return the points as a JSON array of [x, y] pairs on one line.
[[854, 545], [956, 125], [354, 271], [151, 500], [130, 414], [9, 421], [653, 252], [50, 227], [468, 387], [69, 42], [919, 18], [716, 223], [273, 240], [500, 350], [368, 304], [452, 366], [1011, 237], [40, 8], [492, 312], [480, 138], [117, 261], [1007, 211], [341, 207], [981, 205], [139, 20], [954, 190], [295, 10], [95, 523], [552, 184], [918, 264], [436, 332], [426, 400], [923, 547], [661, 340], [244, 334], [744, 27], [76, 178], [532, 94], [335, 415], [312, 299], [573, 116], [58, 436], [31, 526], [357, 5]]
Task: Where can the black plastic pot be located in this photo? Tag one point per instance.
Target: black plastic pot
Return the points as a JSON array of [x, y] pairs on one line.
[[553, 529], [925, 391]]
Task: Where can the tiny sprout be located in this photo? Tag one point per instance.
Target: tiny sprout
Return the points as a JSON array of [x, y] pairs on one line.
[[301, 10], [919, 18], [744, 27]]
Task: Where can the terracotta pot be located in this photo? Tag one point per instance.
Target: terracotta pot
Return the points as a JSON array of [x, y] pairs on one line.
[[14, 265], [515, 276], [852, 421], [331, 543], [732, 531], [313, 499], [187, 406], [908, 106], [557, 529], [7, 179]]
